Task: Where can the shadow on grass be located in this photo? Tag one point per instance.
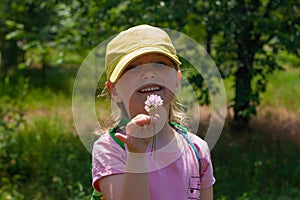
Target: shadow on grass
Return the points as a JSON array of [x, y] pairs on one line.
[[55, 78], [260, 163]]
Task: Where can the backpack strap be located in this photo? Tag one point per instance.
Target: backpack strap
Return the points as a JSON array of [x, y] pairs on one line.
[[112, 132], [97, 195], [183, 131]]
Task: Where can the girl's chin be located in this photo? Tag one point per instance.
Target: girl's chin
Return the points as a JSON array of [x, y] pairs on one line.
[[134, 110]]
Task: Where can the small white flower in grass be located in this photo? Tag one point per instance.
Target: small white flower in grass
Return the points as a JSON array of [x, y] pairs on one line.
[[153, 101]]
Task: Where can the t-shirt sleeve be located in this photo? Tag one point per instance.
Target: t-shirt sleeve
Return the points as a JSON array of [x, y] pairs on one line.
[[207, 178], [108, 158]]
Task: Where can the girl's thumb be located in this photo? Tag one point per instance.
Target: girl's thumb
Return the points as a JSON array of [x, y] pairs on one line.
[[154, 119]]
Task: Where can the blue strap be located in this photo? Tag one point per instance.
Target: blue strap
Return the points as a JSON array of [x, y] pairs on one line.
[[190, 143], [183, 131]]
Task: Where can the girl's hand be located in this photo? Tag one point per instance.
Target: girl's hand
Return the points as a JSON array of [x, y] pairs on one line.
[[135, 127]]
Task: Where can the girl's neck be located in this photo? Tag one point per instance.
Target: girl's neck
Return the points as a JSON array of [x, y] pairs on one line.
[[165, 135]]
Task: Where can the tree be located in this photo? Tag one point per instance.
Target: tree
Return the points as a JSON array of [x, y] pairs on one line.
[[25, 25], [253, 35], [47, 28], [10, 30], [246, 37]]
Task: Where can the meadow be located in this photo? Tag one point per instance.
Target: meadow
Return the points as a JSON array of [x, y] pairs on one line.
[[42, 156]]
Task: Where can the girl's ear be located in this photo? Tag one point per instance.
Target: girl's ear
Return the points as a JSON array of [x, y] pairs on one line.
[[109, 86], [177, 83], [178, 79], [178, 76], [112, 91]]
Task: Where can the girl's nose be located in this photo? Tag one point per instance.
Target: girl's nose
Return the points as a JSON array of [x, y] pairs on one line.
[[148, 72]]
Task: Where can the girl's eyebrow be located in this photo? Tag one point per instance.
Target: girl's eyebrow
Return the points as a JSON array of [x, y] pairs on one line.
[[169, 63], [134, 64], [159, 60]]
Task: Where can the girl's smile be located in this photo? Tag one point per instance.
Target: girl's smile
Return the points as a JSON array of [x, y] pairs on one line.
[[150, 89]]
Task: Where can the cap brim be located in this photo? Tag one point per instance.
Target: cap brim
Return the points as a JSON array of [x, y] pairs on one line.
[[122, 64]]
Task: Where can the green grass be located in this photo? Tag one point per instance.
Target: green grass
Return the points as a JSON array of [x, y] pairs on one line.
[[283, 90], [288, 60]]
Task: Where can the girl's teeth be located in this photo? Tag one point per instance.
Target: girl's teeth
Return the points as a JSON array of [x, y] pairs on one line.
[[150, 89]]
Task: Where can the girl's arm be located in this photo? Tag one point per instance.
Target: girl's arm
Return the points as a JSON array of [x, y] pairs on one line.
[[111, 186], [207, 194], [125, 186], [134, 183]]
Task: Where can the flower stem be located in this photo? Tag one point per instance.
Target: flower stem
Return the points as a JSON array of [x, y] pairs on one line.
[[153, 147]]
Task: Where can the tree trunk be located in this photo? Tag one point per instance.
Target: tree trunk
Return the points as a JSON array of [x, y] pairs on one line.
[[44, 71], [208, 42], [242, 98], [9, 56]]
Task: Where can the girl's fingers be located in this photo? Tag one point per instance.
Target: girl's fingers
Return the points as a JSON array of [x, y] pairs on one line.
[[154, 119], [121, 137], [136, 137], [135, 145], [142, 120]]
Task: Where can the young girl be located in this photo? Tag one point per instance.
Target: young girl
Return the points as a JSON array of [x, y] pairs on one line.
[[157, 163]]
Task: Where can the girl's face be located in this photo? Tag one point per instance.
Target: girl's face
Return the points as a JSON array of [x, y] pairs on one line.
[[147, 74]]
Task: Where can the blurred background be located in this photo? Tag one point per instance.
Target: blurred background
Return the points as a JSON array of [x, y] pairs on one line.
[[255, 45]]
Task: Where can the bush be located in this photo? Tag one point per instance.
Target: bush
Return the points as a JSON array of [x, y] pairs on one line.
[[41, 158], [49, 160]]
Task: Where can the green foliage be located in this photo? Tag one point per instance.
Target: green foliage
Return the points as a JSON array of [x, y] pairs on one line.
[[289, 60], [40, 158], [49, 159], [11, 120], [244, 38]]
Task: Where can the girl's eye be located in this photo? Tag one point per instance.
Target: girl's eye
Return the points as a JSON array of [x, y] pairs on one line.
[[162, 64], [159, 65], [131, 68]]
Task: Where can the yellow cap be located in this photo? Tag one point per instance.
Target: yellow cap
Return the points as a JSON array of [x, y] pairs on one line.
[[135, 42]]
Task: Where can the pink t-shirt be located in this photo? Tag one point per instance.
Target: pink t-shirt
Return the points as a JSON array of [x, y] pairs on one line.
[[177, 178]]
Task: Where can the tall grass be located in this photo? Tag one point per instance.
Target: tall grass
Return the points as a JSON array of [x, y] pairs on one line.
[[41, 156], [47, 161]]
